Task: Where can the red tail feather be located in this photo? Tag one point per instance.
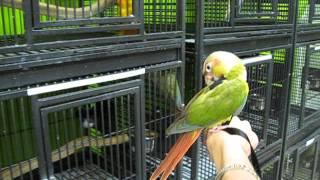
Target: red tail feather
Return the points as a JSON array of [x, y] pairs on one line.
[[176, 153]]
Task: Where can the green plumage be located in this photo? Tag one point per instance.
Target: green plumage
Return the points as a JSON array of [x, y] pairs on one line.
[[211, 107]]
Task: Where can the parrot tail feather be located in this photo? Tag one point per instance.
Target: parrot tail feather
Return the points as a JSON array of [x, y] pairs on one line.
[[176, 153]]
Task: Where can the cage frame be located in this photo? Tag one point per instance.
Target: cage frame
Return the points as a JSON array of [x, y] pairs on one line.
[[132, 55]]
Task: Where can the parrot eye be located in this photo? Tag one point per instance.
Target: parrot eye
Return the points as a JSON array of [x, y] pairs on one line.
[[208, 67]]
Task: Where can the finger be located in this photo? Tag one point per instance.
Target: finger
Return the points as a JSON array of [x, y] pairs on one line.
[[235, 120], [254, 140], [242, 125], [246, 125]]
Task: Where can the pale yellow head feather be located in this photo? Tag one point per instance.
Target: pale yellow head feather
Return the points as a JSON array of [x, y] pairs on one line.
[[218, 64]]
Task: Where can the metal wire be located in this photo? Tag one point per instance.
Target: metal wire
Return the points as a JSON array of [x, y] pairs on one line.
[[17, 144], [160, 16], [269, 171]]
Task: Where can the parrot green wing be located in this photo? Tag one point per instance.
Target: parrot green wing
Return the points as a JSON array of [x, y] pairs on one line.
[[180, 125], [216, 105], [212, 106]]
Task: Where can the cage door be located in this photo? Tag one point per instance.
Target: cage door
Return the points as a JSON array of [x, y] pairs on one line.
[[91, 128], [256, 10], [93, 133]]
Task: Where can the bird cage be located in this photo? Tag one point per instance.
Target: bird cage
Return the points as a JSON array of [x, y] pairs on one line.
[[302, 159], [226, 16], [305, 88], [100, 126], [50, 20], [39, 34]]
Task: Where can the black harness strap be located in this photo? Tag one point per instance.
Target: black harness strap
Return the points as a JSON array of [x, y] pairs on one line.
[[253, 156]]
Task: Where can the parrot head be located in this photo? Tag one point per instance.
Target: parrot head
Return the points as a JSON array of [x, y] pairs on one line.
[[219, 64]]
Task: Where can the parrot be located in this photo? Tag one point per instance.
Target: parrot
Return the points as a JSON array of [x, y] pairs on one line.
[[223, 97]]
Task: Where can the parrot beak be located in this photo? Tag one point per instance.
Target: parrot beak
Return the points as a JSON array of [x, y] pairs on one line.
[[209, 79]]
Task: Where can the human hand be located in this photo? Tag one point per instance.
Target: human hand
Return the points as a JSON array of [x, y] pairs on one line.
[[225, 148]]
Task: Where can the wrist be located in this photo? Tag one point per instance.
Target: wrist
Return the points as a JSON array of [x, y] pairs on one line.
[[225, 150]]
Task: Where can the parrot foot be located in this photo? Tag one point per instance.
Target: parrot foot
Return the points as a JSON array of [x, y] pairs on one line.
[[213, 130], [217, 128]]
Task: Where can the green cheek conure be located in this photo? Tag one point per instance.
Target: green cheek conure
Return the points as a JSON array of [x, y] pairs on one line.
[[224, 96]]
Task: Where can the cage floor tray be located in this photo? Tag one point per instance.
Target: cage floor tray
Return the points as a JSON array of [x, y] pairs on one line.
[[86, 173]]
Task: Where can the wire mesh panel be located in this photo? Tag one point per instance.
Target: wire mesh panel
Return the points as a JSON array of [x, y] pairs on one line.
[[18, 148], [306, 163], [308, 12], [11, 23], [305, 90], [269, 171], [164, 100], [162, 15], [289, 165], [278, 94], [257, 108]]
